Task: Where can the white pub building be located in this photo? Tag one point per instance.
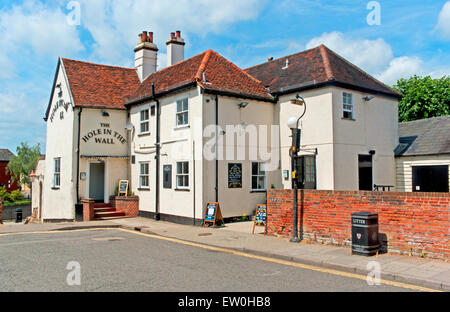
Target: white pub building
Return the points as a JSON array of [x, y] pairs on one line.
[[157, 129]]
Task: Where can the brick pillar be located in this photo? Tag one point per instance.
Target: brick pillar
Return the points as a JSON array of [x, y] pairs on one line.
[[1, 212], [88, 209]]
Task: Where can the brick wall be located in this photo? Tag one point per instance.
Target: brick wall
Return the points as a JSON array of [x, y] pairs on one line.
[[129, 205], [415, 223]]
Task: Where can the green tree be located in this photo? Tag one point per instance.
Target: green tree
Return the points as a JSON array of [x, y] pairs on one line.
[[423, 97], [20, 166]]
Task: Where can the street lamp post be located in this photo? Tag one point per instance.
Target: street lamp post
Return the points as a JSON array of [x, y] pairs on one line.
[[293, 123]]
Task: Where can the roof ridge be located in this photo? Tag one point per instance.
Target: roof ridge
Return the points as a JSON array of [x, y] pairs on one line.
[[282, 57], [96, 64], [240, 69], [203, 65], [326, 61], [425, 119], [360, 70]]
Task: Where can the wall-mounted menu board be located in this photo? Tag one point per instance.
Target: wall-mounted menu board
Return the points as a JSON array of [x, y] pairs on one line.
[[213, 215], [234, 175], [261, 218]]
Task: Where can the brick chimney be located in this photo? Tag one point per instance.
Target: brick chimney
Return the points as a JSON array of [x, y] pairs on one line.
[[175, 48], [145, 55]]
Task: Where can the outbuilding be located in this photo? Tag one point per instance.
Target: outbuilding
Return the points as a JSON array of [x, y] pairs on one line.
[[423, 155]]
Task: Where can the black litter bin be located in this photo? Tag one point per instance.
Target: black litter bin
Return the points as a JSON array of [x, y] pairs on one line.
[[18, 215], [365, 234]]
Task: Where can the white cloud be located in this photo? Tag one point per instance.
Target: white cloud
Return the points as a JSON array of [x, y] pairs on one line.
[[20, 119], [33, 29], [115, 24], [402, 67], [443, 25], [376, 57], [370, 55]]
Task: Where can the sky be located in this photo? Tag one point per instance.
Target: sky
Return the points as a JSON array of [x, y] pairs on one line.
[[388, 39]]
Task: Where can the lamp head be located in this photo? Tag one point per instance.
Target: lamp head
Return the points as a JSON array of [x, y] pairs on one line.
[[298, 100], [292, 122]]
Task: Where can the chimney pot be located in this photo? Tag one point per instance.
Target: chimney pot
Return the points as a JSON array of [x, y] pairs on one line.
[[150, 36], [144, 36], [178, 34], [270, 59], [172, 35]]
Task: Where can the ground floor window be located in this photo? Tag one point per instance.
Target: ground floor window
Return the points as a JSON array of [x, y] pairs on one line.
[[57, 172], [307, 171], [258, 177], [144, 175], [183, 175], [430, 178]]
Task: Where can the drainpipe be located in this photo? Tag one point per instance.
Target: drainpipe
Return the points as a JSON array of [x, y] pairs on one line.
[[217, 148], [158, 153], [78, 156]]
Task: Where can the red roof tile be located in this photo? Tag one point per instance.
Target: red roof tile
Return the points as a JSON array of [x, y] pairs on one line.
[[221, 75], [101, 86], [315, 66]]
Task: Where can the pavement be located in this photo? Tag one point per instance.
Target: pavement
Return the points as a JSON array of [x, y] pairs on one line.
[[237, 236]]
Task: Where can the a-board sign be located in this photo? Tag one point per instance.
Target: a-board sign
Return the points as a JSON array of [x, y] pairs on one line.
[[123, 187], [213, 215], [234, 175], [261, 218]]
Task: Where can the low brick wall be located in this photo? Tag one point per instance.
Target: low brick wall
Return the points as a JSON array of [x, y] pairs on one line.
[[414, 223], [129, 205]]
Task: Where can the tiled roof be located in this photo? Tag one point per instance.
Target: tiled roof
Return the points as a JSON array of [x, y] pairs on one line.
[[101, 86], [221, 76], [5, 154], [315, 66], [424, 137]]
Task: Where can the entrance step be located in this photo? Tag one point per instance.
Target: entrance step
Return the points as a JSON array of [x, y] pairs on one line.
[[109, 214], [105, 209], [102, 205]]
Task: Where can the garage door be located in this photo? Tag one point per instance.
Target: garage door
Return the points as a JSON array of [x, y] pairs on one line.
[[430, 178]]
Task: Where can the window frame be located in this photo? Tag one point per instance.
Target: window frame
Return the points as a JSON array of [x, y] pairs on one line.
[[177, 174], [302, 163], [144, 121], [258, 175], [57, 172], [344, 103], [141, 175], [182, 112]]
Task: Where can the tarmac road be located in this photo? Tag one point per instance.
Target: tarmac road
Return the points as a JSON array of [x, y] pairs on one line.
[[115, 260]]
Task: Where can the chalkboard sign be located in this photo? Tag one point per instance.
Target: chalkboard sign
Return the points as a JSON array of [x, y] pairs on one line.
[[213, 215], [261, 218], [234, 175], [123, 187]]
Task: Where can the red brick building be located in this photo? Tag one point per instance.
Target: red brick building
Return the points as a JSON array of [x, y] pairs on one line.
[[5, 178]]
